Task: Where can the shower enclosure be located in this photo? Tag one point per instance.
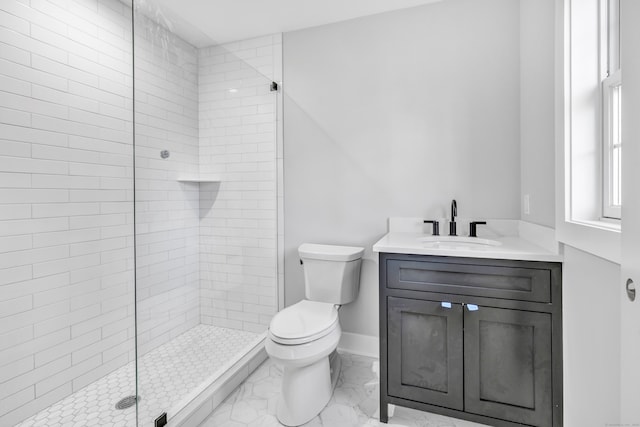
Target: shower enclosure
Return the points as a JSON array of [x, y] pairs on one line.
[[139, 212]]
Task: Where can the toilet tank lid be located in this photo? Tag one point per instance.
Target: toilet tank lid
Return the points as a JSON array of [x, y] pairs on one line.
[[330, 252]]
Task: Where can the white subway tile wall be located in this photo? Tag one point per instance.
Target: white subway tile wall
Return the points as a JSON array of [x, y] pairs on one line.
[[167, 218], [66, 199], [206, 253], [239, 226]]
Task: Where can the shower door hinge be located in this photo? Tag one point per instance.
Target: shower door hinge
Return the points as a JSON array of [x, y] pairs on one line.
[[274, 87], [161, 421]]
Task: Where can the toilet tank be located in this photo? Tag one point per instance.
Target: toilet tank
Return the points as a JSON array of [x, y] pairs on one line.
[[331, 273]]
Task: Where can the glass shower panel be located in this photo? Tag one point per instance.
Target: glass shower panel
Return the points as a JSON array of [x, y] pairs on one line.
[[166, 141], [66, 213], [206, 205]]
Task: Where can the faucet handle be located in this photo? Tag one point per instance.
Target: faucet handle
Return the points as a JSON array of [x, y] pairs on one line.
[[436, 226], [473, 227]]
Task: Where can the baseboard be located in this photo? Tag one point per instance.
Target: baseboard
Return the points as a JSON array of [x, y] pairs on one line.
[[362, 345]]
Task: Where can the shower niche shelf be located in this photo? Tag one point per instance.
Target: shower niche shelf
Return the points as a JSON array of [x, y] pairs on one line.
[[199, 179]]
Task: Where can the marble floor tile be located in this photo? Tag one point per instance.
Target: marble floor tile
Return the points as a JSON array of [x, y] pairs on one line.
[[354, 402]]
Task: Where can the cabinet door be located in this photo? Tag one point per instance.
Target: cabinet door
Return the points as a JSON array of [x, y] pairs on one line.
[[508, 365], [425, 352]]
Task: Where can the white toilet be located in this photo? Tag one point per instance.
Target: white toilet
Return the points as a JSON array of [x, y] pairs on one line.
[[303, 337]]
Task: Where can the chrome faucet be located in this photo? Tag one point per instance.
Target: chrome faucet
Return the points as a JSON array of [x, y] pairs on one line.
[[454, 213]]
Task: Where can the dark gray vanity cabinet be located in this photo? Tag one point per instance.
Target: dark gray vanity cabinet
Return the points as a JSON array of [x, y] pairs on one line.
[[477, 339]]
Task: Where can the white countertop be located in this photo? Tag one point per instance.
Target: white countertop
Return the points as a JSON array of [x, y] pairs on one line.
[[512, 244]]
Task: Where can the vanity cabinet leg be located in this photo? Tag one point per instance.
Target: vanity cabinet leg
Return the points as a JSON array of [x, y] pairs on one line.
[[384, 412]]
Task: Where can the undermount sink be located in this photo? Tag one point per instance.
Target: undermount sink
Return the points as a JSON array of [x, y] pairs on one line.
[[457, 242]]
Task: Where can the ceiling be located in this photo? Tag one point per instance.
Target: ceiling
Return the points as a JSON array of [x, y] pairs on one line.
[[207, 22]]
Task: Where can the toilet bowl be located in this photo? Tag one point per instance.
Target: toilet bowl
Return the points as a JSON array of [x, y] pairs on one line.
[[303, 338]]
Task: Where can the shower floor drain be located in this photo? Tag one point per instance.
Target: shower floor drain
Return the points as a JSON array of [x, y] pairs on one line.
[[126, 402]]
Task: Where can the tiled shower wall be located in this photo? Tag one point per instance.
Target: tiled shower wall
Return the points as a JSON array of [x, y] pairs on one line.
[[66, 195], [66, 213], [239, 227], [167, 221], [66, 192]]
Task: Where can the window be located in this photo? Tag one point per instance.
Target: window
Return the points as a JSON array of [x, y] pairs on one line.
[[611, 109], [589, 148]]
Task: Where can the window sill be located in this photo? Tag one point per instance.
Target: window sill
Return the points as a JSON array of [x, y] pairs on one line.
[[603, 224], [599, 238]]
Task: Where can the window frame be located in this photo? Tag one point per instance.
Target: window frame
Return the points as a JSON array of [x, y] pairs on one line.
[[578, 105], [611, 140], [611, 77]]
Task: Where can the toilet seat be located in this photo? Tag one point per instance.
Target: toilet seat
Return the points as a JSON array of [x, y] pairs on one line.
[[303, 322]]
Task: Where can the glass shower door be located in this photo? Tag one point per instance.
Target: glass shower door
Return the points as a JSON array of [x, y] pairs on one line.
[[206, 205]]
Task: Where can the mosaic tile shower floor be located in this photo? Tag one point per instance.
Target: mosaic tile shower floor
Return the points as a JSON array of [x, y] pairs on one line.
[[354, 402], [167, 374]]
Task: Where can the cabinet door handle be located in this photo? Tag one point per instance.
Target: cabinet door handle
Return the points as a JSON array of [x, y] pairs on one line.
[[445, 304], [472, 307]]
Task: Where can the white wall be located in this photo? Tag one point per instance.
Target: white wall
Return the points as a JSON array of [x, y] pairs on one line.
[[537, 123], [238, 249], [395, 115], [66, 213], [591, 330]]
